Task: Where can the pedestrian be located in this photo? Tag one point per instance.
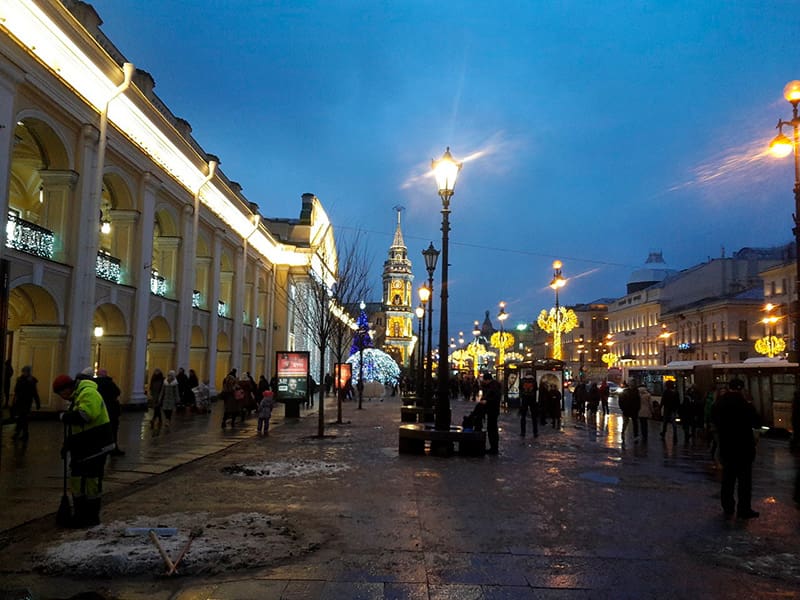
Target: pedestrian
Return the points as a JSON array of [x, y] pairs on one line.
[[183, 387], [263, 386], [604, 393], [554, 403], [712, 398], [735, 419], [580, 396], [230, 388], [686, 413], [109, 391], [670, 403], [192, 381], [328, 381], [154, 393], [593, 402], [492, 393], [25, 396], [8, 373], [527, 402], [87, 443], [645, 411], [629, 403], [170, 396], [202, 397], [265, 407]]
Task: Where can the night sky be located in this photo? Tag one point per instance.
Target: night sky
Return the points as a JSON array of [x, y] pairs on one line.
[[595, 132]]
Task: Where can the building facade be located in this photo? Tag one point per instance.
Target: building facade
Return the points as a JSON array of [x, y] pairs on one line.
[[397, 318], [127, 248]]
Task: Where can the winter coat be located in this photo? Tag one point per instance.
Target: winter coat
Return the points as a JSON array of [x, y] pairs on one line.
[[89, 433], [110, 392], [25, 395], [630, 402], [735, 418], [670, 402], [170, 394], [646, 403], [266, 405], [492, 392]]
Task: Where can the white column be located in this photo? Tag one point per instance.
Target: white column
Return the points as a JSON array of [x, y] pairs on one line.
[[185, 287], [83, 250], [237, 302], [213, 304], [140, 275], [10, 76], [253, 325]]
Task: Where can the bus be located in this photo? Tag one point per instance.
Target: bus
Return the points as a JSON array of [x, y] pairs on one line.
[[770, 383]]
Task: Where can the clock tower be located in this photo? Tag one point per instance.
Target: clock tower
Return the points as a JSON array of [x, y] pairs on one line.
[[397, 299]]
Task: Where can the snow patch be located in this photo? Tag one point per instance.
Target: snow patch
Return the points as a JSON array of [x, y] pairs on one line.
[[290, 468]]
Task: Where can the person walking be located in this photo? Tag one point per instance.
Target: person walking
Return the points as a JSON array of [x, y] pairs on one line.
[[554, 398], [155, 390], [629, 403], [735, 418], [170, 396], [88, 442], [645, 411], [670, 403], [110, 392], [230, 387], [192, 381], [492, 393], [25, 396], [593, 403], [527, 403], [687, 413], [265, 407], [604, 393]]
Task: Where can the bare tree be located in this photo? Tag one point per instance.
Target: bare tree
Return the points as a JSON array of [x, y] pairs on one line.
[[352, 286], [335, 279]]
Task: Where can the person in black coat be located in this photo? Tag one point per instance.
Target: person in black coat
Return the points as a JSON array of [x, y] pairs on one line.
[[735, 419], [110, 393], [670, 404], [25, 395], [527, 402], [492, 394]]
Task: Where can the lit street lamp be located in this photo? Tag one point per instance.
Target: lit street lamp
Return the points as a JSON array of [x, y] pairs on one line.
[[419, 378], [446, 172], [98, 335], [559, 320], [665, 335], [781, 147], [431, 256]]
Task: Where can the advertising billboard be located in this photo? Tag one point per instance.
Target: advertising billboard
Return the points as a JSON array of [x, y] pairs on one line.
[[291, 369]]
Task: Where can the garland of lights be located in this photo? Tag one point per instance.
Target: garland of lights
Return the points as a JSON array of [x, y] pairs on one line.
[[557, 322], [475, 350], [770, 345], [378, 366]]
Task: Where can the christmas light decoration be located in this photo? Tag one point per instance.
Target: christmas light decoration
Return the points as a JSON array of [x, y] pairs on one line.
[[557, 321], [610, 359], [378, 366], [501, 340], [770, 345], [476, 350]]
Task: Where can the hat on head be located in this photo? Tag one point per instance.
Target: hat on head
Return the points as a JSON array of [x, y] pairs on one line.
[[26, 369], [62, 382], [487, 376], [171, 373], [736, 384], [267, 393], [87, 373]]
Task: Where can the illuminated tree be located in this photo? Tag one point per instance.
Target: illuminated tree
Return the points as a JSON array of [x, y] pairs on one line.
[[610, 359], [501, 340], [557, 321]]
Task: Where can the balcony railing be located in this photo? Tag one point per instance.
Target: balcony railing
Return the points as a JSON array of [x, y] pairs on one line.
[[158, 284], [196, 300], [108, 267], [222, 309], [29, 237]]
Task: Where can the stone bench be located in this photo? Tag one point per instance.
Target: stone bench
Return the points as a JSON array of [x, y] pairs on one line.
[[413, 437], [414, 414]]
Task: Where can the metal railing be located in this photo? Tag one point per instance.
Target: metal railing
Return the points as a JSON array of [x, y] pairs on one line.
[[29, 237], [108, 267]]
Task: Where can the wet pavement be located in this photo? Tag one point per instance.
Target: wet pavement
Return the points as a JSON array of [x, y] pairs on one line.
[[570, 514]]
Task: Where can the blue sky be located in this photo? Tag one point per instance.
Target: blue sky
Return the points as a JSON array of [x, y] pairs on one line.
[[598, 131]]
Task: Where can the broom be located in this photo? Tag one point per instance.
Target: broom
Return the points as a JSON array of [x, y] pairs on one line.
[[64, 514]]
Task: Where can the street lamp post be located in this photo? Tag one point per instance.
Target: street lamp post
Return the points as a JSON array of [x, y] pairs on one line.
[[431, 256], [446, 172], [781, 147], [420, 312], [559, 320], [665, 335]]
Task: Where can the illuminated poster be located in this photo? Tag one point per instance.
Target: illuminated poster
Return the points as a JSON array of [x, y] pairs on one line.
[[292, 372], [343, 371], [512, 384], [549, 380]]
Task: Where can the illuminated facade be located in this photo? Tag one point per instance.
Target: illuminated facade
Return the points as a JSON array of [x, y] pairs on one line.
[[398, 313], [185, 271]]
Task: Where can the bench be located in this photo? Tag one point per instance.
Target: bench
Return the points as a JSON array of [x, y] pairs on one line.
[[414, 414], [413, 437]]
